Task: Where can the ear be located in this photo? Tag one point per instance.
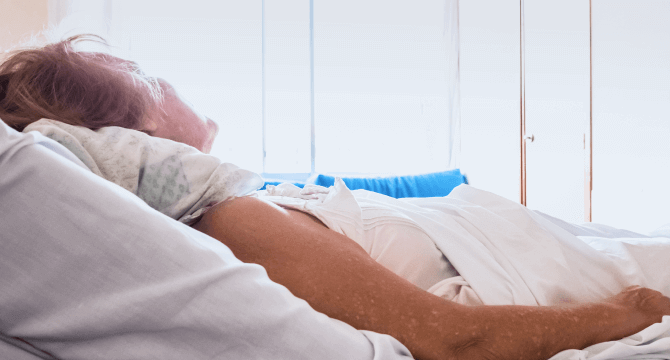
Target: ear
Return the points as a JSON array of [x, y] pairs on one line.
[[149, 126]]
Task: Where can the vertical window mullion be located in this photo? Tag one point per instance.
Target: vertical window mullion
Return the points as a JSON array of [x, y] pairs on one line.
[[263, 88], [311, 90]]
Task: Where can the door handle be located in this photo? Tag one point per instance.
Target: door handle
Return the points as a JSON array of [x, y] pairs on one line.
[[531, 137]]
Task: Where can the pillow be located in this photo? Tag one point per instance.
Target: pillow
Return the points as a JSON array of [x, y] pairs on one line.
[[427, 185], [173, 178], [275, 183], [92, 272]]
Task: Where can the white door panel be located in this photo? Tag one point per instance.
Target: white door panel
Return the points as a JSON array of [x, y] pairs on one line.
[[557, 105]]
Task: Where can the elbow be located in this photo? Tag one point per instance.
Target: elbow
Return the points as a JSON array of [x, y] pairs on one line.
[[480, 344], [477, 352]]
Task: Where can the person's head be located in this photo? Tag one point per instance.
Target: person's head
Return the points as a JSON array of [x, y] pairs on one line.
[[95, 90], [88, 89]]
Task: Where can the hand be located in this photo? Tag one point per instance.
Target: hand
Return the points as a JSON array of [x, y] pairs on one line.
[[641, 307]]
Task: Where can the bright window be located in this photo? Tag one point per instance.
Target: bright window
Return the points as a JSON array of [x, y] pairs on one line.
[[300, 86]]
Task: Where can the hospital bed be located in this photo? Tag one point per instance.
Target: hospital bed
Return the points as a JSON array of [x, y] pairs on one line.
[[90, 271]]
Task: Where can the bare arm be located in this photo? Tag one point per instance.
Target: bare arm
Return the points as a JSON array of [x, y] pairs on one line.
[[338, 278]]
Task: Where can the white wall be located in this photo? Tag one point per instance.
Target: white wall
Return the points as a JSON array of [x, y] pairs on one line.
[[20, 19]]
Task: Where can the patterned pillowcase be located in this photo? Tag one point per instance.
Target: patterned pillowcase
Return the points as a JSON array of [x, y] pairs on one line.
[[173, 178]]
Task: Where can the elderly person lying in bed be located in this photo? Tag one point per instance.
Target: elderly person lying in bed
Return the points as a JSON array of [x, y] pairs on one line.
[[311, 243]]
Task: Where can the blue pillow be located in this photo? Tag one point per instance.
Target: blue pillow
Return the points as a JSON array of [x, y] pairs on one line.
[[275, 183], [426, 185]]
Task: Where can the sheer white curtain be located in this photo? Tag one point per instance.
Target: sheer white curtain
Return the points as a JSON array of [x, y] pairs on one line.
[[301, 86]]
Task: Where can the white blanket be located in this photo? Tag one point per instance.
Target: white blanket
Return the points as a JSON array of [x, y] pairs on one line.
[[171, 177], [509, 254]]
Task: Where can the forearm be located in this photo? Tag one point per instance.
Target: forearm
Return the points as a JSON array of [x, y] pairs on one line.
[[527, 332]]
